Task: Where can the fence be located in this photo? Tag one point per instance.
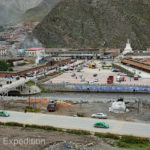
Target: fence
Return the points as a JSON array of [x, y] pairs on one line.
[[96, 87]]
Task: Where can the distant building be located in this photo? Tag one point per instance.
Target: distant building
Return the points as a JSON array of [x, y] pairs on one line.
[[21, 52], [148, 49], [112, 52], [34, 52], [3, 51]]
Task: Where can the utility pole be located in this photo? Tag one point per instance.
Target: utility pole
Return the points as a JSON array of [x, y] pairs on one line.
[[140, 105], [29, 95]]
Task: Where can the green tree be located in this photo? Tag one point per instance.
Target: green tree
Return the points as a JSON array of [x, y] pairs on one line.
[[3, 65]]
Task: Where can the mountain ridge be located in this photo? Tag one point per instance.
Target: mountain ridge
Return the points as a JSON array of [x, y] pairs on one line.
[[40, 11]]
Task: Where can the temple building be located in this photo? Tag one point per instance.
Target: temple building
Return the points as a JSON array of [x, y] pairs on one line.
[[128, 49]]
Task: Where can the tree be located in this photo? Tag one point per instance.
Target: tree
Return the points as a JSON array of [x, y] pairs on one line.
[[3, 65], [2, 28]]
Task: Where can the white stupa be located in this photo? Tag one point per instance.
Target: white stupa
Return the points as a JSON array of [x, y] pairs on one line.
[[128, 48]]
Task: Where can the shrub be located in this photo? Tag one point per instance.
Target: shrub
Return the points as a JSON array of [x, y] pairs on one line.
[[30, 83], [107, 135], [78, 132], [79, 114], [134, 140], [42, 127], [30, 109], [122, 144], [2, 123], [14, 124]]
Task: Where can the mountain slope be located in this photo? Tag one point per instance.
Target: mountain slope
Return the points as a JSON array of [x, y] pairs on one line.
[[96, 23], [9, 15], [39, 12], [12, 10]]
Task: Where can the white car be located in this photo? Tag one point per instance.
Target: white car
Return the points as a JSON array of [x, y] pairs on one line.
[[96, 80], [122, 74], [82, 80], [99, 115], [73, 74]]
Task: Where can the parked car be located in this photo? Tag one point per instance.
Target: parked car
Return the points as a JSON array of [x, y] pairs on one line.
[[122, 74], [96, 80], [101, 125], [99, 115], [29, 75], [120, 78], [73, 74], [115, 70], [136, 77], [95, 75], [82, 80], [110, 80], [22, 76], [4, 113], [17, 78]]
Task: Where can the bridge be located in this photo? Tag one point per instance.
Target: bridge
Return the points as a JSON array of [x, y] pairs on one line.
[[16, 86]]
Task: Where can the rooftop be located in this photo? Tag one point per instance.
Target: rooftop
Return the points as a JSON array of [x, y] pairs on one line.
[[33, 49]]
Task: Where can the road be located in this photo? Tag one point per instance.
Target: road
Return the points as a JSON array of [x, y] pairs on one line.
[[118, 127]]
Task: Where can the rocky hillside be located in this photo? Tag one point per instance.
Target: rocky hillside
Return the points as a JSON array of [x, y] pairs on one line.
[[39, 12], [96, 23]]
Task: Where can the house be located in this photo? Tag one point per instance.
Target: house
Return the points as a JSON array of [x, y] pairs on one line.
[[34, 52], [3, 51]]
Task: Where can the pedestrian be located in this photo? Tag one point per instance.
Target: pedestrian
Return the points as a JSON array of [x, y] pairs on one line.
[[25, 110]]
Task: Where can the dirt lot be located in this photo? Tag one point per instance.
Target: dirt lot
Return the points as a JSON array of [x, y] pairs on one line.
[[52, 140], [85, 109]]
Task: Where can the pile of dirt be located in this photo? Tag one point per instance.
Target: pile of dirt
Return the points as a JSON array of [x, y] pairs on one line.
[[38, 100], [64, 104]]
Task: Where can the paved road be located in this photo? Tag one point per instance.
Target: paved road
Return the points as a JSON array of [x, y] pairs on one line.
[[118, 127]]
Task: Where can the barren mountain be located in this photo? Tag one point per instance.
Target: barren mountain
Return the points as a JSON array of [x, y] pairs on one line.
[[39, 12], [96, 23]]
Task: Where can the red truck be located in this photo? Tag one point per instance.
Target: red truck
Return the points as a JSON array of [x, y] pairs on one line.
[[110, 80], [51, 107]]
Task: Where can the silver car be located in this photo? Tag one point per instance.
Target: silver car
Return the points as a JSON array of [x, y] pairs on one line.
[[99, 116]]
